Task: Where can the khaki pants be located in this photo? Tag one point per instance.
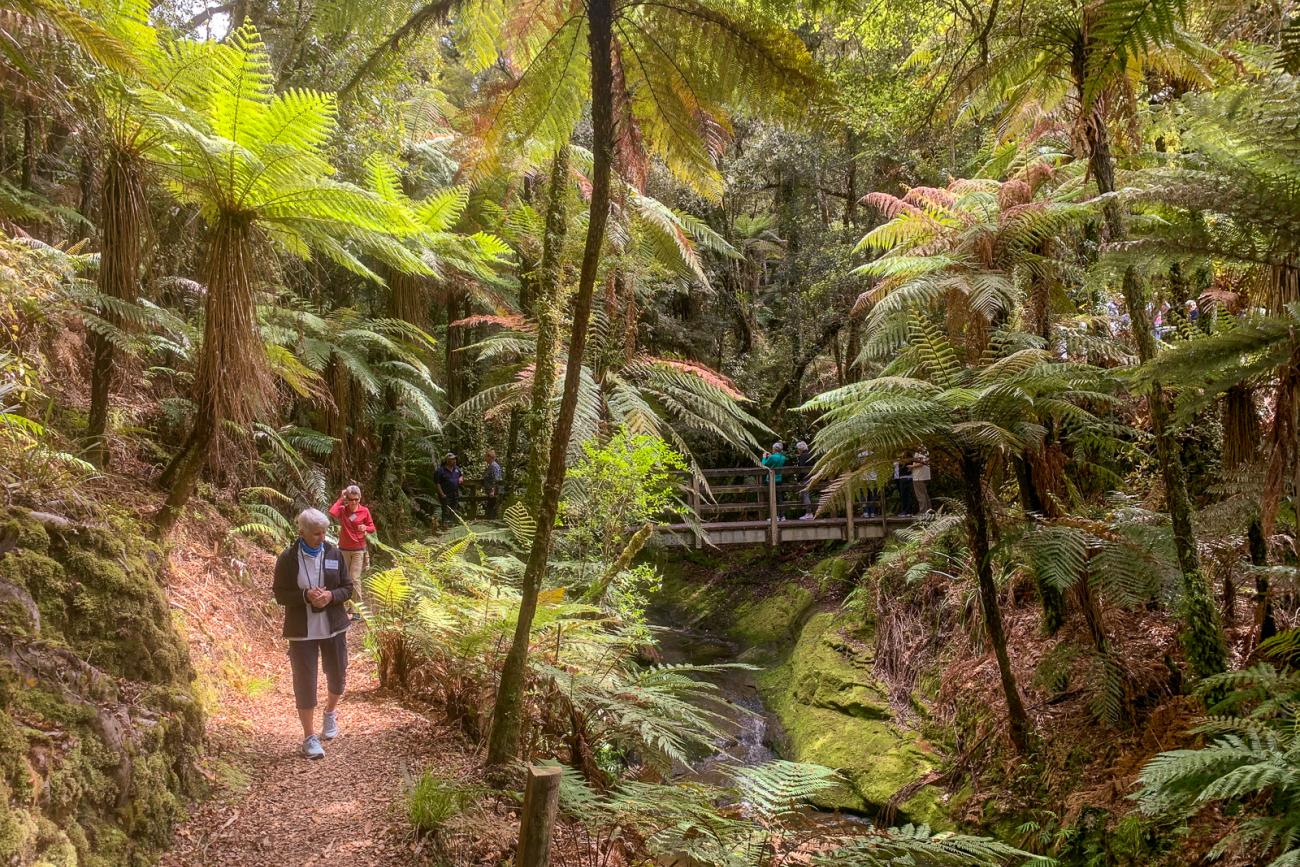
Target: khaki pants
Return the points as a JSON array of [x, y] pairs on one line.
[[355, 561], [920, 489]]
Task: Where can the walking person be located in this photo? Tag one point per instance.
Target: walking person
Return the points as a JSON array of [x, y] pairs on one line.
[[313, 585], [492, 476], [448, 478], [903, 482], [921, 481], [355, 523]]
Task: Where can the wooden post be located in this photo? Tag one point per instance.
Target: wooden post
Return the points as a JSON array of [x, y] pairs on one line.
[[774, 531], [541, 801], [695, 505], [848, 513]]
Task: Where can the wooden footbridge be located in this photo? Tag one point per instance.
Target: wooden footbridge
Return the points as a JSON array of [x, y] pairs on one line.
[[747, 506]]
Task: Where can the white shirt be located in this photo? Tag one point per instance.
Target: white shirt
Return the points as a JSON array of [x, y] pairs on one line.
[[311, 573], [921, 473]]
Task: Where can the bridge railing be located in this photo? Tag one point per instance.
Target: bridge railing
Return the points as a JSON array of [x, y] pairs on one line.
[[737, 505]]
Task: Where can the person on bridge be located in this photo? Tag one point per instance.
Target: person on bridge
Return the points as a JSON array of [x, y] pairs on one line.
[[492, 476], [803, 458], [775, 460], [312, 585], [903, 482], [921, 481], [448, 479], [354, 523]]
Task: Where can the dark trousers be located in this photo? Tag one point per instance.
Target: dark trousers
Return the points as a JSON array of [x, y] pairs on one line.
[[906, 500], [490, 507], [333, 656], [451, 509]]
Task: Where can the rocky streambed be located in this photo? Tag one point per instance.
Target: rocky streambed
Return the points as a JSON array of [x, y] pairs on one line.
[[812, 695]]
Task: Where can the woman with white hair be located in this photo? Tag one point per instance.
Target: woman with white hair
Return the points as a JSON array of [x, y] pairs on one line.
[[312, 585]]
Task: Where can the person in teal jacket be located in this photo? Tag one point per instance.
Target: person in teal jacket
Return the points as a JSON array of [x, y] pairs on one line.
[[775, 459]]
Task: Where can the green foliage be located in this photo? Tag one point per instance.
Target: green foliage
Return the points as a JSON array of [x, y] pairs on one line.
[[1250, 763], [620, 484], [917, 845], [432, 800], [247, 150]]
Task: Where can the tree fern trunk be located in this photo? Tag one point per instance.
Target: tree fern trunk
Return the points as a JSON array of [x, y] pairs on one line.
[[977, 529], [122, 210], [1265, 626], [504, 742], [1202, 637], [185, 471], [230, 383], [547, 311]]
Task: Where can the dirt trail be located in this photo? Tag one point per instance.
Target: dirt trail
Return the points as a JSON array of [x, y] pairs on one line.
[[269, 805]]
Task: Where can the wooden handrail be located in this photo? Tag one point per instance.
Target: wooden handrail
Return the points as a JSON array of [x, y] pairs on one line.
[[761, 502]]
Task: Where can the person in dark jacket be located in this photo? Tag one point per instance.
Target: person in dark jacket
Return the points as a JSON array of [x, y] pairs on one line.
[[312, 584], [448, 478]]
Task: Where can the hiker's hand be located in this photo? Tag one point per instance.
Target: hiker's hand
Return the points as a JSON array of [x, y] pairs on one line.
[[319, 597]]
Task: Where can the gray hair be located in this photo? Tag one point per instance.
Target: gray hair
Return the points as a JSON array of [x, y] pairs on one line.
[[313, 519], [352, 489]]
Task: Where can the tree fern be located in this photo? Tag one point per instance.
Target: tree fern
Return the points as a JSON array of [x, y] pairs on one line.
[[917, 845], [1251, 762]]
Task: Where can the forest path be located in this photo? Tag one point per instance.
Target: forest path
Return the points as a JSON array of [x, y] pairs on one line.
[[269, 805], [275, 807]]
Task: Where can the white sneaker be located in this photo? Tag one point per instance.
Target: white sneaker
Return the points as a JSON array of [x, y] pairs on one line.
[[807, 516], [330, 726], [312, 749]]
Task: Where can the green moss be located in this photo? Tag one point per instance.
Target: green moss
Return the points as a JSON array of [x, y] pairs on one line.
[[772, 619], [14, 769], [55, 847], [836, 714], [17, 830], [26, 534], [102, 798], [693, 603]]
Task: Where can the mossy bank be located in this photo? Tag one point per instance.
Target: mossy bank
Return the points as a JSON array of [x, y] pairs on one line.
[[99, 722], [816, 674]]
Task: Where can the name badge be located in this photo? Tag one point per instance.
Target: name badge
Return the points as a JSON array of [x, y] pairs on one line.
[[331, 564]]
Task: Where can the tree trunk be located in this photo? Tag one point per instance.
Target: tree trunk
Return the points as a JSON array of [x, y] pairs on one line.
[[184, 472], [1051, 598], [122, 210], [30, 122], [1203, 639], [977, 528], [512, 449], [230, 383], [788, 392], [504, 742], [548, 310], [1265, 626], [455, 363]]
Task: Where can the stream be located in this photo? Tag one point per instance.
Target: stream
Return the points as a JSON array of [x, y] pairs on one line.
[[750, 728], [746, 741]]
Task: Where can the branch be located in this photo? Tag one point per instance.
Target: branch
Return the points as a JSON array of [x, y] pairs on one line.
[[205, 16], [435, 11], [828, 333]]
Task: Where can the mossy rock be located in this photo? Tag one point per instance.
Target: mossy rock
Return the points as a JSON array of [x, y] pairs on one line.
[[835, 713], [87, 778], [773, 619]]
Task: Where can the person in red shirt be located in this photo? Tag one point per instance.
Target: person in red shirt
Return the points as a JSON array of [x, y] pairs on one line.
[[354, 523]]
